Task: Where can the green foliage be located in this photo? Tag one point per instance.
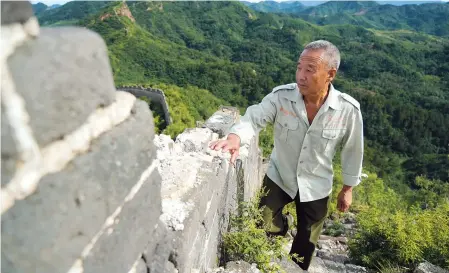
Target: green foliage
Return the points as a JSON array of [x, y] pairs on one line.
[[336, 228], [39, 8], [387, 267], [71, 11], [428, 193], [158, 114], [397, 230], [272, 6], [400, 77], [248, 241], [429, 18], [266, 141], [394, 229], [402, 237], [433, 166], [186, 105]]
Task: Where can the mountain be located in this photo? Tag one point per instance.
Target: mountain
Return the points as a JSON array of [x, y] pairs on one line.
[[423, 16], [39, 8], [400, 3], [277, 7], [239, 55], [337, 7], [430, 18], [68, 13]]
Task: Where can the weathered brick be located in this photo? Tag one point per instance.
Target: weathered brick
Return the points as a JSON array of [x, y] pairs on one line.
[[222, 120], [9, 151], [158, 252], [15, 12], [47, 231], [116, 252], [63, 76], [201, 226]]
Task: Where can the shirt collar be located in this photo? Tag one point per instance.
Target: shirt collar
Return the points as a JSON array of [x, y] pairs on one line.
[[292, 95], [332, 98], [331, 101]]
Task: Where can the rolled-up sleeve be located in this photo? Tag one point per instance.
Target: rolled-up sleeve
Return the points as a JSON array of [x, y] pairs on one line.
[[256, 117], [352, 152]]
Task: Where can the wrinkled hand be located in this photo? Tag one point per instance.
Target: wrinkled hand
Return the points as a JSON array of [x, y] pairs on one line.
[[344, 199], [231, 144]]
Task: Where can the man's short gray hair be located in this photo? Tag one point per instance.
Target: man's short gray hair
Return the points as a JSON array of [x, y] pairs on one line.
[[331, 54]]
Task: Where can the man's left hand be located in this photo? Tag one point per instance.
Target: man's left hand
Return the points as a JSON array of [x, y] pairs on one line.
[[344, 199]]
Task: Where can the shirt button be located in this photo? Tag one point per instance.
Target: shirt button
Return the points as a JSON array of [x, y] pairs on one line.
[[304, 148], [300, 162]]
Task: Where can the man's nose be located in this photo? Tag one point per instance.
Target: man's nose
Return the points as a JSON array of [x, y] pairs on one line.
[[301, 75]]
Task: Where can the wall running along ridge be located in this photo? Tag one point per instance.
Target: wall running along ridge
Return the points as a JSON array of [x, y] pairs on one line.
[[155, 95]]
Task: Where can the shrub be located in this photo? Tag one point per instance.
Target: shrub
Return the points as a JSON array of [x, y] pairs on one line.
[[402, 238], [335, 229], [248, 241]]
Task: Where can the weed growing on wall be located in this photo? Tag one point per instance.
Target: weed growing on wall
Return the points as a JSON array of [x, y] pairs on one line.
[[248, 241]]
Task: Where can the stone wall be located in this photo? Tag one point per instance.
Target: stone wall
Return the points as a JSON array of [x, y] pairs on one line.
[[86, 186], [200, 189], [155, 95]]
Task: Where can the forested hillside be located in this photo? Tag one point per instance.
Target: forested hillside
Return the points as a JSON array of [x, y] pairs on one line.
[[203, 54], [430, 18]]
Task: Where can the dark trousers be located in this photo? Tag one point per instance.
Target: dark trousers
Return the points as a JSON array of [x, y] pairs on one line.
[[310, 219]]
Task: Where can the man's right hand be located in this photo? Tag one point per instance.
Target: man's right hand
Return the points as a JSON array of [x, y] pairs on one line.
[[231, 144]]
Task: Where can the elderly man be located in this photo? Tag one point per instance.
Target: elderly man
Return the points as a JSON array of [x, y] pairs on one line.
[[311, 118]]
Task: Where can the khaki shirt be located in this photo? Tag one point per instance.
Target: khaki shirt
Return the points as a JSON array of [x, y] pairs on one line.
[[302, 155]]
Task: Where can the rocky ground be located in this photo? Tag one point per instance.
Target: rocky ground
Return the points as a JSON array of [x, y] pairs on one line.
[[331, 255]]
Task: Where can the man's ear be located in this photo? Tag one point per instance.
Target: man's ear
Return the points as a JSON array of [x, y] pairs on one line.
[[331, 74]]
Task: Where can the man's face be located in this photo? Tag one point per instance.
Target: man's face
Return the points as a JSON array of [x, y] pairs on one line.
[[312, 74]]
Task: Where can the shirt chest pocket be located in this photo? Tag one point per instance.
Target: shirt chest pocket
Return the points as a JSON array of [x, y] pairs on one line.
[[287, 128], [330, 138]]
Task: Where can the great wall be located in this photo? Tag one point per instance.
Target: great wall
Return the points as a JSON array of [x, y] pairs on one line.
[[87, 187]]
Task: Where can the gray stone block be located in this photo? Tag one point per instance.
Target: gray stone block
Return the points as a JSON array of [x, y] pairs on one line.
[[196, 244], [15, 12], [241, 267], [427, 267], [289, 266], [221, 121], [334, 267], [141, 267], [252, 170], [116, 252], [157, 254], [8, 169], [69, 207], [9, 151], [317, 266], [326, 255], [351, 268], [169, 268], [63, 76], [228, 202]]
